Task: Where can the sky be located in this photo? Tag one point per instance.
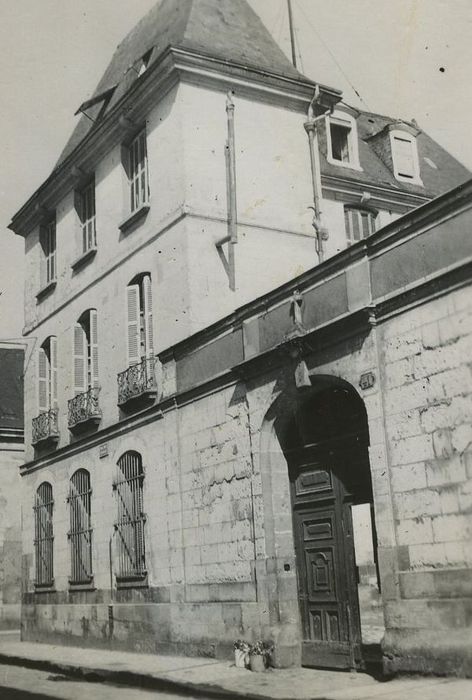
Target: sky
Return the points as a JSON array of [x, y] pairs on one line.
[[404, 58]]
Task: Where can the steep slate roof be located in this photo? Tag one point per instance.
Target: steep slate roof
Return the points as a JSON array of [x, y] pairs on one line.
[[224, 29], [11, 394], [449, 172]]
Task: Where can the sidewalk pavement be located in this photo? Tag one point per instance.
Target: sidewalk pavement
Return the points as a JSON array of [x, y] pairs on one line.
[[208, 678]]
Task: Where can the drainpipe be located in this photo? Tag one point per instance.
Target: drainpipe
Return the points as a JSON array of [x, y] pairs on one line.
[[230, 154], [311, 128]]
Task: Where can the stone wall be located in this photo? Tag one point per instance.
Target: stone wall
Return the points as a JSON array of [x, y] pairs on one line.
[[428, 407]]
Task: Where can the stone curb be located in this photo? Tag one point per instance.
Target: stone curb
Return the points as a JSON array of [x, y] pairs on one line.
[[136, 679]]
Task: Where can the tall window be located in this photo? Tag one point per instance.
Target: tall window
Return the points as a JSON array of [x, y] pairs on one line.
[[405, 157], [86, 352], [87, 216], [138, 171], [139, 319], [44, 535], [359, 223], [80, 534], [48, 245], [131, 519], [47, 375]]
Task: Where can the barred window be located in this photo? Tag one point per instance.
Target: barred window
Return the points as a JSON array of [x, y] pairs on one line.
[[359, 223], [44, 535], [80, 534], [131, 519]]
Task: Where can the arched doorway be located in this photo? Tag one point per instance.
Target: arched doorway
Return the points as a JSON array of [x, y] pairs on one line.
[[324, 437]]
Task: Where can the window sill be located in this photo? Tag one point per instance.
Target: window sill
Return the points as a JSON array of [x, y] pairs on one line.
[[76, 587], [45, 291], [409, 180], [137, 581], [134, 218], [84, 258], [341, 164], [44, 587]]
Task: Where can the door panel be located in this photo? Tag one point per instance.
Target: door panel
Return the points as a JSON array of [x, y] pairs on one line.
[[325, 561]]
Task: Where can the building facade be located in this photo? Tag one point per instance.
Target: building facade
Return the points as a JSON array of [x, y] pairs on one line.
[[12, 457], [212, 416]]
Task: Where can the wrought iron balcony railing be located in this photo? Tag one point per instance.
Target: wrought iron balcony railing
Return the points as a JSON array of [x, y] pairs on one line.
[[84, 409], [45, 427], [137, 382]]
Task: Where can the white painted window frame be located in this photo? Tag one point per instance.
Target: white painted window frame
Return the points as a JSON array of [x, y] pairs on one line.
[[345, 120]]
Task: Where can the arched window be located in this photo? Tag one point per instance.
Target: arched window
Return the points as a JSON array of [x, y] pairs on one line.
[[80, 534], [359, 222], [139, 319], [47, 375], [44, 535], [86, 352], [130, 518]]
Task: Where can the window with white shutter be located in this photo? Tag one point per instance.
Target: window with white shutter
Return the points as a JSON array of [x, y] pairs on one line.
[[87, 216], [86, 352], [139, 320], [48, 245], [406, 166], [138, 172], [47, 375]]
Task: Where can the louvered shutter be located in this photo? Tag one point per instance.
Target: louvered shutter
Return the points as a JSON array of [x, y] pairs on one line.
[[147, 293], [94, 346], [53, 371], [80, 359], [132, 306], [43, 380]]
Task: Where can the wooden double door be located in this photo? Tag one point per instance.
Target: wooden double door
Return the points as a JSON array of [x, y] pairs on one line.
[[325, 483]]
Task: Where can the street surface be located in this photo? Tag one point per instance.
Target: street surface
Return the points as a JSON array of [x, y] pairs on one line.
[[24, 684]]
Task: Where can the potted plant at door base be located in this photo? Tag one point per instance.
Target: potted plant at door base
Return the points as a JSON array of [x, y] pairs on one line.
[[241, 653], [259, 655]]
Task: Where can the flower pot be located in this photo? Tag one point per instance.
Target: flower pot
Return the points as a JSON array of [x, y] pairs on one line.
[[240, 658], [257, 662]]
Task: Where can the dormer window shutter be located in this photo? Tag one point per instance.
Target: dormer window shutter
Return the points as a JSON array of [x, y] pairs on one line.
[[404, 159], [80, 360], [94, 347], [43, 381], [147, 294], [53, 371], [133, 317]]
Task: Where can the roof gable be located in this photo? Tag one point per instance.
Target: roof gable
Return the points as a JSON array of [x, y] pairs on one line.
[[224, 29]]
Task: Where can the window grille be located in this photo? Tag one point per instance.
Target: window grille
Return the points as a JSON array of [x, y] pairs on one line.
[[138, 171], [44, 535], [360, 223], [131, 519], [87, 216], [80, 534], [48, 236]]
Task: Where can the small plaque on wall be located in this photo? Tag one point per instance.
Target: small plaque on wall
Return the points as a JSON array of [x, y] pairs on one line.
[[367, 380], [103, 450]]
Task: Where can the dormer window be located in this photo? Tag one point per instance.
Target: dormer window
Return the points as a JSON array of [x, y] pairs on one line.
[[405, 157], [342, 140]]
